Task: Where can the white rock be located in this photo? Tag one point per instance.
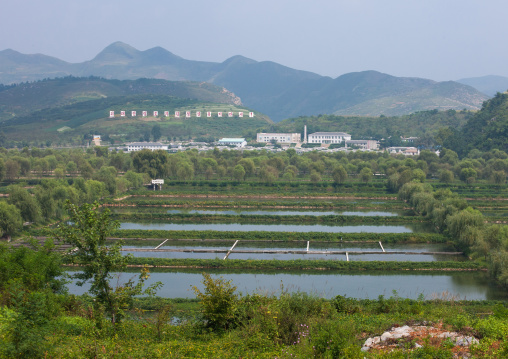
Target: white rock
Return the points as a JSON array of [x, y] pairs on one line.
[[370, 342], [466, 341], [385, 336]]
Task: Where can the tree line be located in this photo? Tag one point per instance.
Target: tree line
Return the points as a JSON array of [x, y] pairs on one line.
[[38, 181]]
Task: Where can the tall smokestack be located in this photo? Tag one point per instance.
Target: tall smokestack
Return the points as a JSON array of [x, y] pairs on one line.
[[305, 134]]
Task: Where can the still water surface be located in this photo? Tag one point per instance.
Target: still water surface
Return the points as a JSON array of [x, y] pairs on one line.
[[378, 228], [285, 213], [415, 256], [267, 211], [456, 285]]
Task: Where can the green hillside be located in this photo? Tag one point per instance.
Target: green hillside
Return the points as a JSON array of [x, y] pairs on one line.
[[419, 124], [25, 98], [485, 131], [71, 124]]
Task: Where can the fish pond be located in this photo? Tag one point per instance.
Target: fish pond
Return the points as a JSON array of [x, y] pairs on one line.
[[374, 228], [327, 284], [260, 250]]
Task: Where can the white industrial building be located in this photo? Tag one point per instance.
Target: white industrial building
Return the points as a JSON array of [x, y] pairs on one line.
[[328, 137], [153, 146], [279, 137]]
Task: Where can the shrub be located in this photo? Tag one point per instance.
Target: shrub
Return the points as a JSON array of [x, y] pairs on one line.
[[219, 302]]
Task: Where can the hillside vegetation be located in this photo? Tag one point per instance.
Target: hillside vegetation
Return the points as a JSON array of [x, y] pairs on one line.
[[25, 98], [67, 109], [486, 130], [425, 125]]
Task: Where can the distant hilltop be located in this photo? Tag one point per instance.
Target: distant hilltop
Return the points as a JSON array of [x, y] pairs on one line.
[[268, 87]]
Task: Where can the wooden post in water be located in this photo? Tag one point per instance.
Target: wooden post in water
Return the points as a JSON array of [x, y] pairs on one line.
[[160, 245], [381, 246], [230, 250]]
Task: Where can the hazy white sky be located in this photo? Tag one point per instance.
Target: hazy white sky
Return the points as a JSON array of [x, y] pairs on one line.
[[435, 39]]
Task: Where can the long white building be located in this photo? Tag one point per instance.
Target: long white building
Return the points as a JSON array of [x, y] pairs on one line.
[[279, 137], [238, 142], [328, 137], [138, 146]]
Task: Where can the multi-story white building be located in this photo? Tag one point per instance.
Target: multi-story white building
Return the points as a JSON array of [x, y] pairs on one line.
[[279, 137], [138, 146], [328, 137]]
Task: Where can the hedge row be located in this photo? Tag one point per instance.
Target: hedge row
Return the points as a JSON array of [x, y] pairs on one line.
[[327, 203], [283, 236], [266, 218], [301, 264]]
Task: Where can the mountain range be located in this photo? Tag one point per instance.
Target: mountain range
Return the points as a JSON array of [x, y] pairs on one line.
[[489, 85], [268, 87]]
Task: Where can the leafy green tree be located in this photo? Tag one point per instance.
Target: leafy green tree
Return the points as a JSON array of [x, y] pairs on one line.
[[85, 169], [366, 174], [239, 173], [446, 176], [465, 226], [185, 171], [107, 175], [135, 179], [339, 174], [268, 174], [24, 165], [87, 233], [10, 219], [468, 174], [27, 204], [2, 169], [11, 169], [248, 165], [154, 163], [156, 132], [498, 177], [315, 177], [95, 190], [101, 151]]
